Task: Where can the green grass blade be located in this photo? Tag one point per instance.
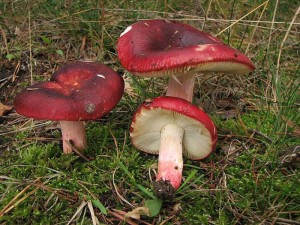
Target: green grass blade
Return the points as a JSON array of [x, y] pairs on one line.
[[99, 205], [132, 179], [190, 176]]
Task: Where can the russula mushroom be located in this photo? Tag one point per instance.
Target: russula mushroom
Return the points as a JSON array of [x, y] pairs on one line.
[[172, 127], [159, 48], [77, 92]]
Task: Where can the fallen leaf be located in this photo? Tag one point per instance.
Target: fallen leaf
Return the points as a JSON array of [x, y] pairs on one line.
[[227, 114], [291, 124], [230, 151], [137, 212], [128, 88], [154, 206], [177, 208], [290, 157], [4, 109], [230, 108], [226, 103]]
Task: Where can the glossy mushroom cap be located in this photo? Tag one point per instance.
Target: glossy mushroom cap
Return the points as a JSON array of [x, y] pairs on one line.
[[200, 134], [77, 91], [158, 48]]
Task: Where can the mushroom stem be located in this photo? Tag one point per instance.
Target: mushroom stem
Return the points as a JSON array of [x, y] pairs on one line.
[[74, 132], [170, 161], [181, 87]]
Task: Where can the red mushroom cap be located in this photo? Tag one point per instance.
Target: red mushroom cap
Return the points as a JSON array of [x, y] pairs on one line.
[[157, 48], [77, 91], [200, 134]]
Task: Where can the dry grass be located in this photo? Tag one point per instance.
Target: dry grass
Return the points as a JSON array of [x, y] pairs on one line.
[[253, 178]]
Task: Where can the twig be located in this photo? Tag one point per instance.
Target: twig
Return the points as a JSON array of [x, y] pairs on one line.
[[14, 199], [94, 197], [255, 28], [79, 210], [16, 71], [188, 16], [30, 48], [208, 9], [77, 151], [26, 128], [117, 190], [292, 222], [115, 142], [283, 42], [4, 40], [48, 200], [272, 24], [14, 202], [19, 201], [94, 218], [261, 134], [57, 192], [166, 220], [121, 218], [121, 215], [253, 10]]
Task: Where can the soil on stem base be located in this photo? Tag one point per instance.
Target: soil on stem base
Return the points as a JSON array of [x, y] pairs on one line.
[[163, 189]]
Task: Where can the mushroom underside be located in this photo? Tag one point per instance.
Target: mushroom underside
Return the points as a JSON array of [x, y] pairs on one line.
[[197, 143]]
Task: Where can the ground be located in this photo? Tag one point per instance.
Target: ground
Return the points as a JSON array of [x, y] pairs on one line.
[[251, 178]]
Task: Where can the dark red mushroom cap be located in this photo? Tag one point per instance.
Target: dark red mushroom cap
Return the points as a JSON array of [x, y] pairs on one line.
[[157, 48], [77, 91], [200, 134]]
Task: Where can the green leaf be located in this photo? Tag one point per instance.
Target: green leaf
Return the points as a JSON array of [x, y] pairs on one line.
[[100, 206], [60, 52], [46, 40], [10, 56], [154, 206]]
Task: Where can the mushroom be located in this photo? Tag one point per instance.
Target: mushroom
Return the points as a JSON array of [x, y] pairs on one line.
[[77, 92], [159, 48], [172, 127]]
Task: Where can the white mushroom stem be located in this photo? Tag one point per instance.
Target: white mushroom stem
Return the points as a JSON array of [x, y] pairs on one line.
[[181, 87], [74, 133], [170, 160]]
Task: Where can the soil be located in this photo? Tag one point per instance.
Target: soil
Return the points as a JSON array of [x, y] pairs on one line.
[[164, 189]]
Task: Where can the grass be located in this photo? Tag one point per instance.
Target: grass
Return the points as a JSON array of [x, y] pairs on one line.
[[251, 178]]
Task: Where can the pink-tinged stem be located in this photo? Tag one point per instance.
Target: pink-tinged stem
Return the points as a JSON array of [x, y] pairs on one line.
[[74, 132], [170, 160], [182, 87]]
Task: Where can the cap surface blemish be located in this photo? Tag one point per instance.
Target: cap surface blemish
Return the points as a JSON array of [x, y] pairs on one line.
[[126, 30]]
